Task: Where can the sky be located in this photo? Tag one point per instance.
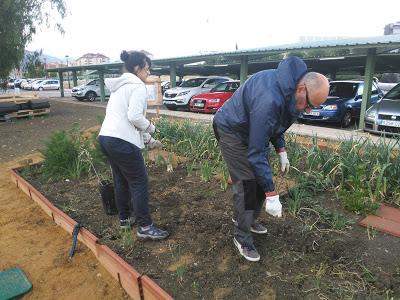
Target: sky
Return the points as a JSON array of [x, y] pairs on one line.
[[173, 28]]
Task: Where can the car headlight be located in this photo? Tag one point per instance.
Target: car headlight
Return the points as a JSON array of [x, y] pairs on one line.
[[371, 115], [330, 107], [183, 93], [214, 100]]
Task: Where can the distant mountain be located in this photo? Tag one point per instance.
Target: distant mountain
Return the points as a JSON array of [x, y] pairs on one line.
[[50, 59]]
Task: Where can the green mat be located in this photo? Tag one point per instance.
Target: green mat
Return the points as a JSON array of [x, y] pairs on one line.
[[13, 283]]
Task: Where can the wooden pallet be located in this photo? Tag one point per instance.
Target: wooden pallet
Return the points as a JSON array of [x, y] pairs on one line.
[[17, 99], [29, 113]]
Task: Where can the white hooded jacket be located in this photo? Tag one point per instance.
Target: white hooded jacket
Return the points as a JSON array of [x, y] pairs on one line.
[[126, 110]]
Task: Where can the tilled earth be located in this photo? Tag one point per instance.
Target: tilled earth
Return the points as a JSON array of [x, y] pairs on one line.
[[301, 257]]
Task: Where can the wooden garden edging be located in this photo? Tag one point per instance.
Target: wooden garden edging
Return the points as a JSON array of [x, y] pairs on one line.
[[138, 286]]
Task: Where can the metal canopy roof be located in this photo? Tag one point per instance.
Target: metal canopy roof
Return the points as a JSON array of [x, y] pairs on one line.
[[257, 58]]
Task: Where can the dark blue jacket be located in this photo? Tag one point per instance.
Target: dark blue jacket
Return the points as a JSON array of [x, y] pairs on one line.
[[260, 111]]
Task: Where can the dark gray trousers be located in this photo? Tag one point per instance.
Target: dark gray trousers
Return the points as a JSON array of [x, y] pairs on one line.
[[248, 196]]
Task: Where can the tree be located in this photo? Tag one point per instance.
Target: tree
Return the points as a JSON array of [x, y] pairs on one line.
[[19, 20], [33, 67]]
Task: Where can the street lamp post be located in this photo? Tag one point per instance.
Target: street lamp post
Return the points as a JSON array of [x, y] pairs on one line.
[[69, 85]]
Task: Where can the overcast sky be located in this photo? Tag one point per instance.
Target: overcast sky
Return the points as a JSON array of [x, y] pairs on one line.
[[170, 28]]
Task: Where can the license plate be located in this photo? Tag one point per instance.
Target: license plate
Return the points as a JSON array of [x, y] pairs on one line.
[[168, 102], [199, 105], [390, 123], [312, 113]]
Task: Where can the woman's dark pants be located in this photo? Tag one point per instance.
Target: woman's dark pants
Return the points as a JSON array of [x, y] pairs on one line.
[[130, 178]]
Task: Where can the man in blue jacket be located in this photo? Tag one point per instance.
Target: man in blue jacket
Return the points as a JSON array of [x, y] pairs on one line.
[[258, 113]]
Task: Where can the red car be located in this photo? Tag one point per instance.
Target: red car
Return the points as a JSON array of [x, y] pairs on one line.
[[210, 102]]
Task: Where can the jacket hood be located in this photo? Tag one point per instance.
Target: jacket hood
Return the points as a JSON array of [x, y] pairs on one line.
[[289, 72], [114, 84]]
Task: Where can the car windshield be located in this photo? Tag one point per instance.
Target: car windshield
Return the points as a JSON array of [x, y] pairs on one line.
[[226, 87], [193, 82], [394, 93], [342, 89], [93, 82], [222, 87]]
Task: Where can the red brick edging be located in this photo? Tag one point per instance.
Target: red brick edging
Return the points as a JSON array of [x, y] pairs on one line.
[[138, 286]]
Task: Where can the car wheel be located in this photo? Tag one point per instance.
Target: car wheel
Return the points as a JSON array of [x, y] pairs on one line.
[[40, 89], [91, 96], [346, 120]]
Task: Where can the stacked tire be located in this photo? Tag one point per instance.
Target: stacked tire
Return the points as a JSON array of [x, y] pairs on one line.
[[8, 108]]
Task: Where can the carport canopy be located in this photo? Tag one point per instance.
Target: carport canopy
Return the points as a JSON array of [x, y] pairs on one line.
[[366, 56]]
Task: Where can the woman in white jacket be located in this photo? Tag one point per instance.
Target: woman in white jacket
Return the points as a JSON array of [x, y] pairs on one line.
[[123, 134]]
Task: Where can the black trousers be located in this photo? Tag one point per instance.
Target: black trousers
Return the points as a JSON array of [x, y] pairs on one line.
[[130, 178]]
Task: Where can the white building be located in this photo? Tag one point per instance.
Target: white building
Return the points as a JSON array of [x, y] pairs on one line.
[[392, 28], [92, 59]]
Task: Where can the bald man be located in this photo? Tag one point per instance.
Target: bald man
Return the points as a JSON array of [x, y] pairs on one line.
[[258, 113]]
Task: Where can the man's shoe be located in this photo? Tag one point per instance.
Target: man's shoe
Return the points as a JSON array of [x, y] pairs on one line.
[[248, 252], [152, 232], [256, 227]]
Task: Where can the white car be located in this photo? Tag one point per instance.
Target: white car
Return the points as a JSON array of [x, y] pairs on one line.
[[180, 96], [48, 84], [89, 91], [34, 84]]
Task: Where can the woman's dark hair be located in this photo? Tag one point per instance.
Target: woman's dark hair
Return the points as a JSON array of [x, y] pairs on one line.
[[132, 59]]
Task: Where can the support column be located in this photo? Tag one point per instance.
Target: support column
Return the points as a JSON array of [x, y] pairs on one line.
[[332, 75], [61, 78], [244, 69], [368, 78], [102, 90], [74, 78], [172, 74]]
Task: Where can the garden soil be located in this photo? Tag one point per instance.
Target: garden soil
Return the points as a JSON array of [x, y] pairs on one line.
[[28, 237], [301, 257]]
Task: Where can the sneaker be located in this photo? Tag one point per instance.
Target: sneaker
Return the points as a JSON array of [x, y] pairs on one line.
[[248, 252], [255, 227], [152, 232]]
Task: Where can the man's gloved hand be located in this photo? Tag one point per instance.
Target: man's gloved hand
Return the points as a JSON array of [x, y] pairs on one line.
[[273, 206], [285, 164], [154, 144]]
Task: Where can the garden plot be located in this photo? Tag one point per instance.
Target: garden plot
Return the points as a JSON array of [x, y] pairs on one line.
[[316, 250]]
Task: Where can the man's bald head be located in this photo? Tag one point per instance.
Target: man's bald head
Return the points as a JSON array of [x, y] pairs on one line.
[[313, 85]]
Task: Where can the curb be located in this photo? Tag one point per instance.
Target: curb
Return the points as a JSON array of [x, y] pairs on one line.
[[137, 286]]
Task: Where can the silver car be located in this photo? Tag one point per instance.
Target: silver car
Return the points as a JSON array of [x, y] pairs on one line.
[[384, 116], [89, 91]]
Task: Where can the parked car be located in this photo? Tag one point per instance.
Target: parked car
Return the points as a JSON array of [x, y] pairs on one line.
[[10, 83], [165, 85], [35, 84], [181, 95], [89, 91], [210, 102], [48, 84], [343, 103], [17, 82], [384, 116]]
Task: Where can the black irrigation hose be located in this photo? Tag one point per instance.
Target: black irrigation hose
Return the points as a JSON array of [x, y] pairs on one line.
[[75, 233]]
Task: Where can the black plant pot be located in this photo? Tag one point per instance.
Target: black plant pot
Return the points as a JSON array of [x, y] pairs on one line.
[[107, 197]]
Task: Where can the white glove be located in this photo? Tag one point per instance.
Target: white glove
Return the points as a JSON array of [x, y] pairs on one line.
[[154, 144], [285, 164], [273, 206]]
